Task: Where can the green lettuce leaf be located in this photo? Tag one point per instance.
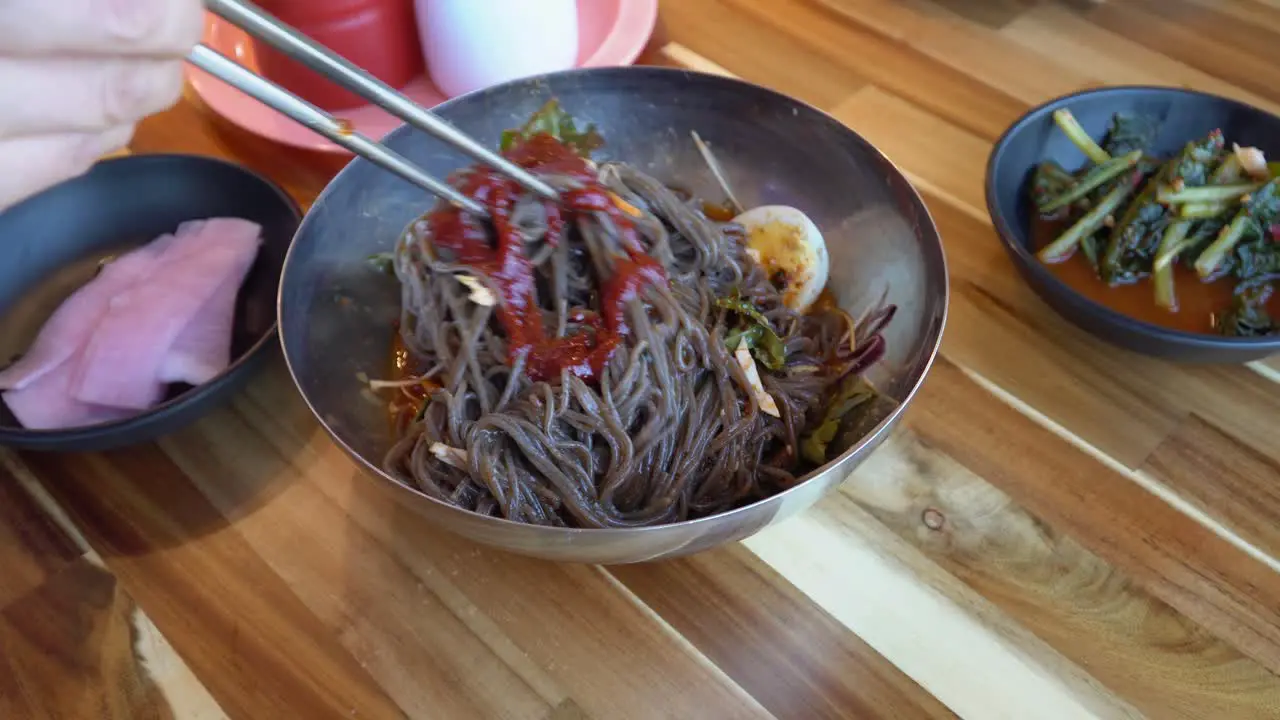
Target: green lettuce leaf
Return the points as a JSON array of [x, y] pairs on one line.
[[554, 121], [854, 392], [765, 345]]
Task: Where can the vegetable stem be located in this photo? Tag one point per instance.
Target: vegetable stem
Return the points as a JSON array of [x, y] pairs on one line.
[[1095, 178], [1229, 171], [1212, 257], [1202, 211], [1258, 213], [1065, 244], [1069, 125], [1173, 242], [1204, 193]]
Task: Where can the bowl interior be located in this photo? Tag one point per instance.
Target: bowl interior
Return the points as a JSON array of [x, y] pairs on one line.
[[337, 311], [52, 244], [1185, 115]]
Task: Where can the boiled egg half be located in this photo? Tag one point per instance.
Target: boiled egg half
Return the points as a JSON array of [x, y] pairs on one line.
[[790, 248]]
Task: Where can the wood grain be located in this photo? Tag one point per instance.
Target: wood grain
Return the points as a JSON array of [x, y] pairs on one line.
[[142, 514], [73, 643], [1060, 529], [736, 609], [1090, 611]]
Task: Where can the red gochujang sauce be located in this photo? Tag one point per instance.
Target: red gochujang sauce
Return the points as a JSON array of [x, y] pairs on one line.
[[496, 249]]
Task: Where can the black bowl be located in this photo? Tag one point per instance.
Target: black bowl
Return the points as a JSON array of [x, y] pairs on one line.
[[1186, 115], [50, 244]]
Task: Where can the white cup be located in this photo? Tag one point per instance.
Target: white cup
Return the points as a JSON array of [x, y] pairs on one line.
[[472, 44]]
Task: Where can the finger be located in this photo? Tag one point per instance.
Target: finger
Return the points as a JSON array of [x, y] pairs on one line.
[[31, 164], [100, 27], [51, 96]]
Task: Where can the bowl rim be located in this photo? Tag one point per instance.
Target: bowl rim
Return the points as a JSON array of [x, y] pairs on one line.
[[927, 230], [1015, 245], [113, 426]]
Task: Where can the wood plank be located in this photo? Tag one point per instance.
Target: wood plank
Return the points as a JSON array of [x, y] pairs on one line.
[[32, 546], [785, 651], [431, 649], [1113, 58], [259, 651], [733, 41], [992, 13], [1199, 37], [1250, 12], [67, 652], [1184, 564], [77, 646], [1225, 477], [1237, 400], [963, 100], [978, 661], [955, 39], [1218, 28], [1091, 612]]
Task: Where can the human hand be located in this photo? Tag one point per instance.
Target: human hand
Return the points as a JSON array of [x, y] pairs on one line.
[[77, 75]]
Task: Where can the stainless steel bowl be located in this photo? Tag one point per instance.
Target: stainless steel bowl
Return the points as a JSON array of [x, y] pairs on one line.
[[336, 311]]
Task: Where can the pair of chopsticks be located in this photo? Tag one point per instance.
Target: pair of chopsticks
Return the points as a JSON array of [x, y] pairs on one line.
[[273, 32]]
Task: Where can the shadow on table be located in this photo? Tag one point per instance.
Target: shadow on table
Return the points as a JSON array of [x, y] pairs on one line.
[[192, 483]]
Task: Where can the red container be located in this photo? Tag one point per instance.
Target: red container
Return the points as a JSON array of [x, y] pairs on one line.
[[377, 35]]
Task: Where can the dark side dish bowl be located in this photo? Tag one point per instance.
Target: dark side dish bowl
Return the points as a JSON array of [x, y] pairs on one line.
[[55, 242], [1157, 272], [339, 311]]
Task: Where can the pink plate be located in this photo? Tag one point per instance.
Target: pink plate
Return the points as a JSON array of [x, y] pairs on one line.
[[611, 32]]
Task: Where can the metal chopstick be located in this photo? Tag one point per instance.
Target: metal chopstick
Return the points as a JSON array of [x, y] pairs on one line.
[[263, 26], [283, 101]]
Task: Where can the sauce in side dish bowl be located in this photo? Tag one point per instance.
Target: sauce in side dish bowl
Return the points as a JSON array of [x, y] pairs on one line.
[[1198, 302]]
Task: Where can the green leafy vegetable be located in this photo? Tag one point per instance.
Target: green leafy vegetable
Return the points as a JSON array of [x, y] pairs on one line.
[[556, 122], [1257, 260], [854, 392], [1134, 240], [1065, 244], [765, 345], [1255, 217], [1248, 315], [1228, 172], [1050, 182], [1194, 165], [1199, 208], [1129, 132], [1098, 176]]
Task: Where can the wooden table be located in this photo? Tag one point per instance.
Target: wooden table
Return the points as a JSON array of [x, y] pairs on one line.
[[1061, 530]]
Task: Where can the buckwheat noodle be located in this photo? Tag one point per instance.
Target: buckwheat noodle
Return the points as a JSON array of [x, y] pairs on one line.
[[669, 430]]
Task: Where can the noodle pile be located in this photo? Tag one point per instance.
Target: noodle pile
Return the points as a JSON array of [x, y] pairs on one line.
[[670, 430]]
